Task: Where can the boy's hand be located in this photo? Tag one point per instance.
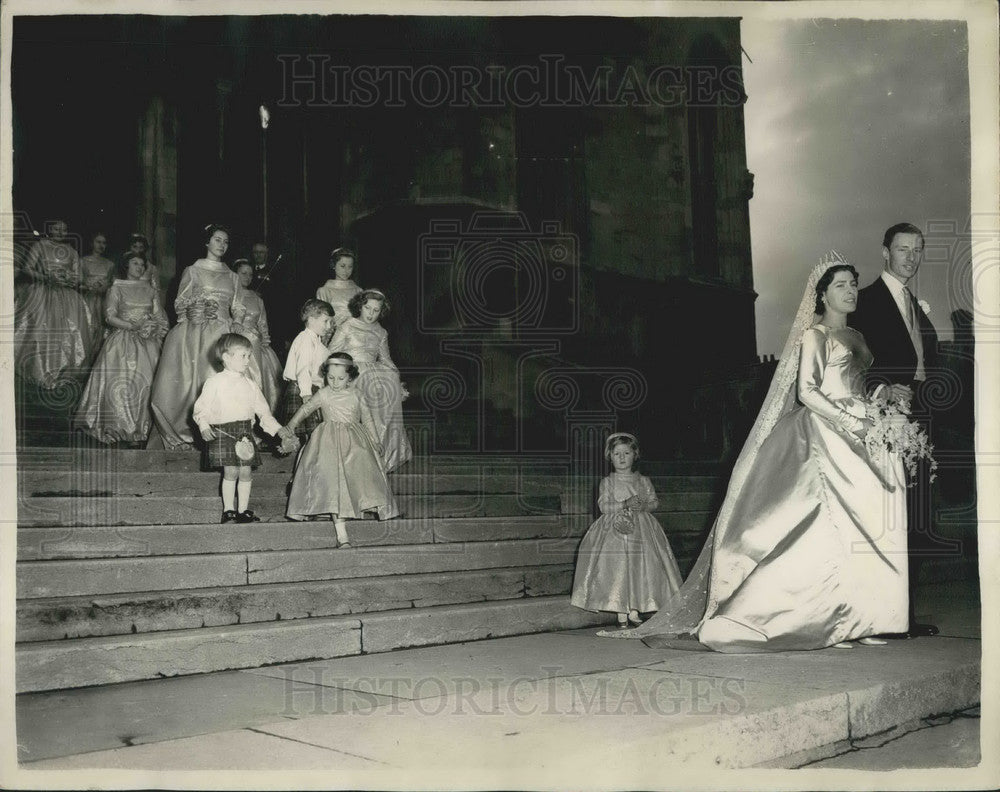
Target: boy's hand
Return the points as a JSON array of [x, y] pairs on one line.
[[207, 434]]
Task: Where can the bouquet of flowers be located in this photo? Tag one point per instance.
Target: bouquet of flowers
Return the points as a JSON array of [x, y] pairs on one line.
[[150, 327], [894, 432], [623, 523]]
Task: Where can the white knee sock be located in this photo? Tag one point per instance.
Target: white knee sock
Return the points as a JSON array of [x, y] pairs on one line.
[[341, 527], [228, 495], [243, 488]]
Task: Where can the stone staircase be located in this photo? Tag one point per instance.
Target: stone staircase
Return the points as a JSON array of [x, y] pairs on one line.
[[124, 573]]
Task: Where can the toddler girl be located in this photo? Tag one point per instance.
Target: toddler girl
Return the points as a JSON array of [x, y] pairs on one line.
[[224, 413], [625, 564], [339, 471]]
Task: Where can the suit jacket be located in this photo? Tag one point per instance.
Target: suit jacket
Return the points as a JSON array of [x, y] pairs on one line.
[[879, 321]]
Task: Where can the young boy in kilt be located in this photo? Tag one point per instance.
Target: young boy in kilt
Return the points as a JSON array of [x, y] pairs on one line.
[[224, 413], [302, 368]]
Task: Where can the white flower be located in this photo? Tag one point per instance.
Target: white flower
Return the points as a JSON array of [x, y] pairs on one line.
[[925, 307]]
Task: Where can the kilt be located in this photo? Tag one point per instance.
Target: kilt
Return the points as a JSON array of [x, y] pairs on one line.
[[221, 451], [291, 400]]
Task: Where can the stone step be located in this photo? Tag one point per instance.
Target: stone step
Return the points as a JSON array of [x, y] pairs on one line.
[[122, 614], [267, 481], [87, 577], [102, 541], [684, 529], [53, 665], [90, 456], [161, 509], [586, 503]]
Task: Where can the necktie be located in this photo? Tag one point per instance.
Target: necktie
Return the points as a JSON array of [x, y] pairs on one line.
[[913, 325]]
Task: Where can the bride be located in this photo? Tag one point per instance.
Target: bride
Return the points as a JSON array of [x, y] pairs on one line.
[[809, 547]]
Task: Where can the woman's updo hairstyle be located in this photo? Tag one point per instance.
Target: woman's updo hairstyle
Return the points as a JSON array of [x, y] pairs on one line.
[[338, 253], [359, 299], [826, 279], [211, 228], [122, 269]]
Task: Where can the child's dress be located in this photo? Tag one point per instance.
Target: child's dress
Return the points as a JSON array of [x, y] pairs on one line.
[[379, 385], [623, 564], [115, 403], [338, 471]]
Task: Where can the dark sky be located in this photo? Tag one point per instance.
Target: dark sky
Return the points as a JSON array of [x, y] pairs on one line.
[[853, 126]]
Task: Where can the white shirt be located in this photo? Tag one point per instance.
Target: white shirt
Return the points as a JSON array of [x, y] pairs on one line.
[[230, 396], [305, 356], [898, 291]]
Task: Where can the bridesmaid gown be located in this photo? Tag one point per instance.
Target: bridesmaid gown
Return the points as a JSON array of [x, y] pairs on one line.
[[97, 273], [621, 572], [265, 369], [378, 385], [115, 403], [338, 293], [209, 302], [52, 336], [338, 470], [815, 552]]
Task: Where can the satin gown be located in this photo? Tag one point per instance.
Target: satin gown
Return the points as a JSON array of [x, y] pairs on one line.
[[209, 301], [621, 572], [815, 551], [265, 369], [97, 274], [52, 323], [378, 385], [338, 471], [115, 403], [338, 293]]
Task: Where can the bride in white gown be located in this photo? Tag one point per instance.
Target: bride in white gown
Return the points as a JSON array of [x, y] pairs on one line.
[[809, 547]]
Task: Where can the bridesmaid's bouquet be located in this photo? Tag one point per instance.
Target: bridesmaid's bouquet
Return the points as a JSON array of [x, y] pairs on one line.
[[894, 432], [150, 327]]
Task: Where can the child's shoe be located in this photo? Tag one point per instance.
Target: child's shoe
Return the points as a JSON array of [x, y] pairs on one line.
[[229, 516], [247, 517]]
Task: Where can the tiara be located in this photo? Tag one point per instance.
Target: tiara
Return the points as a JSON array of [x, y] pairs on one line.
[[375, 291], [620, 436], [241, 261]]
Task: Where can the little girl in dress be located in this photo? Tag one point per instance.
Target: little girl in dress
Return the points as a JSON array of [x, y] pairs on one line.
[[339, 471], [625, 564]]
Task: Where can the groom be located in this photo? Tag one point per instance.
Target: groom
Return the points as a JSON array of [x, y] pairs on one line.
[[903, 342]]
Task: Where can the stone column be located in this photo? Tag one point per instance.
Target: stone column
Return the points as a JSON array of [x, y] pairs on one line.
[[156, 213]]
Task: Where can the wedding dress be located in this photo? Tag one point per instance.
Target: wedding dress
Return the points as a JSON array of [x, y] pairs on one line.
[[809, 547]]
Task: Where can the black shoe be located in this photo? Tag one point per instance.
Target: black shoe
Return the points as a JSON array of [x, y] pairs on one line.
[[247, 517], [922, 630], [229, 516]]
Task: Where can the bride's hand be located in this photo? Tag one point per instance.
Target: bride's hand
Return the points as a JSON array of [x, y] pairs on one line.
[[866, 424]]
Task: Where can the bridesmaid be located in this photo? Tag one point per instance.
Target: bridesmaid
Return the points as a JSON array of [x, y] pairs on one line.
[[51, 319], [265, 369], [209, 304], [115, 403], [339, 290], [137, 243], [365, 340], [96, 275]]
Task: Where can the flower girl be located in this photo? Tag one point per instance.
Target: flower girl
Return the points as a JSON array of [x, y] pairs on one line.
[[625, 564], [339, 471]]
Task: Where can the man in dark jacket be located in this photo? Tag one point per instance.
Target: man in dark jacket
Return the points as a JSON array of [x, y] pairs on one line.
[[904, 344]]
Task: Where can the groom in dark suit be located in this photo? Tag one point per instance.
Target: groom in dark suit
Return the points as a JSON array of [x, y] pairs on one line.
[[904, 344]]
